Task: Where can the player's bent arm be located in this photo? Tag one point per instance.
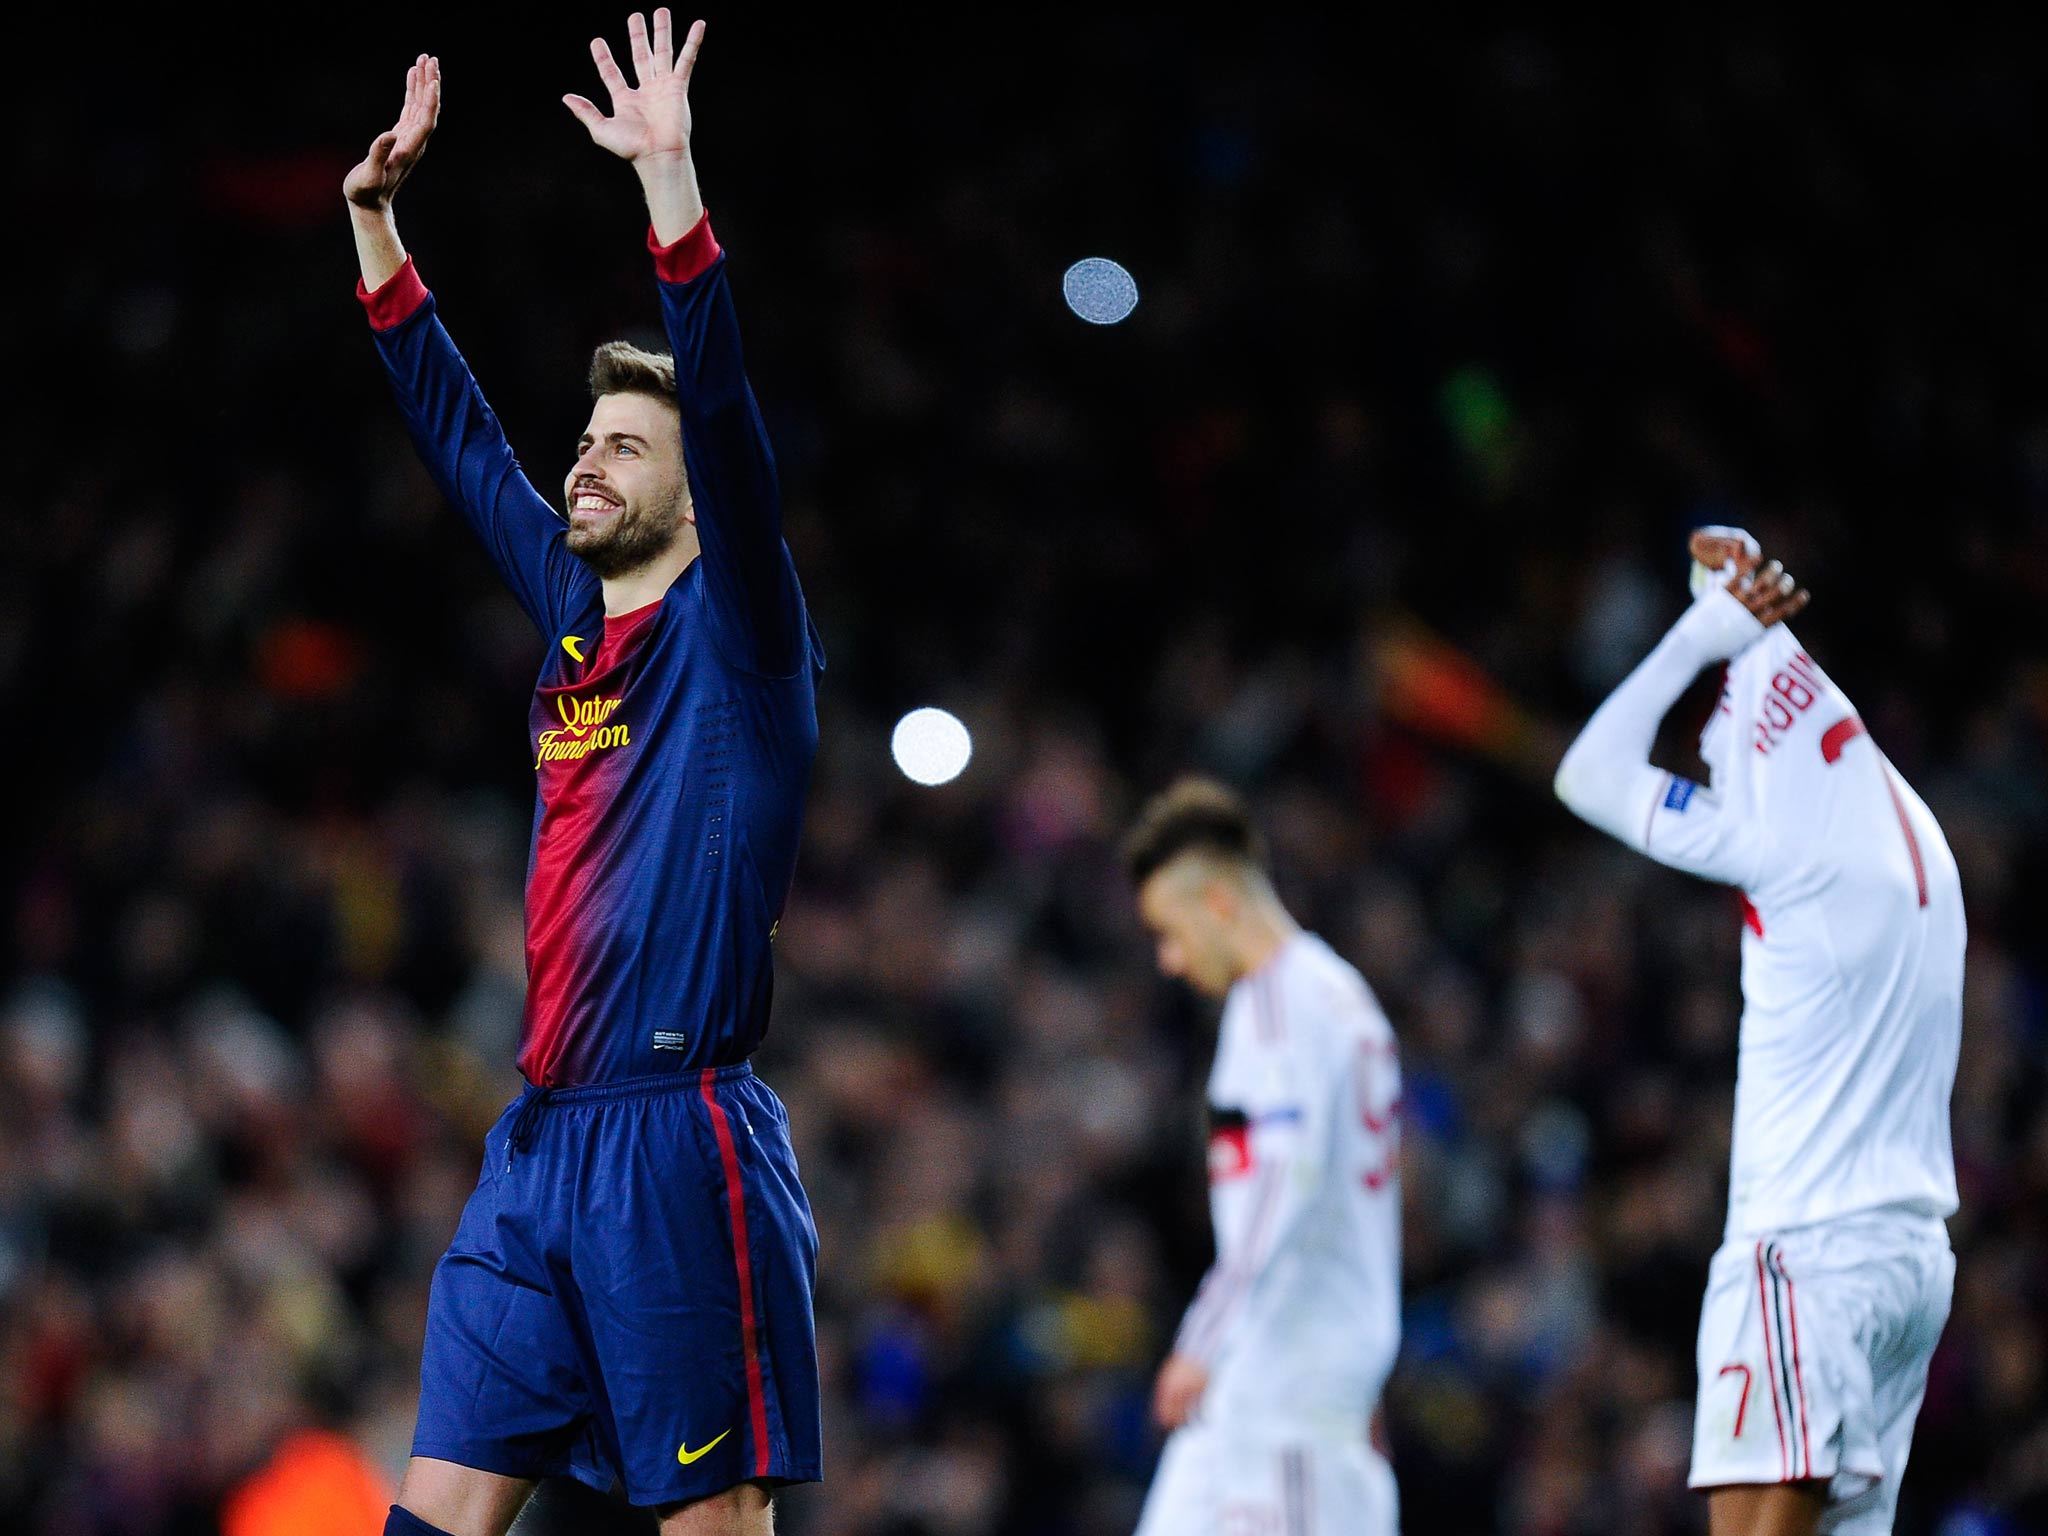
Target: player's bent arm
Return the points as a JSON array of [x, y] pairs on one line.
[[460, 441], [1606, 777], [1290, 1180], [1290, 1142], [749, 576]]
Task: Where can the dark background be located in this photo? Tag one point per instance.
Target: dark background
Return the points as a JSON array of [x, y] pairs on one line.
[[1444, 325]]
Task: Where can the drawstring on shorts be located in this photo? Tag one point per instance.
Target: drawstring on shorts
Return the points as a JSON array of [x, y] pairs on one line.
[[531, 1103], [526, 1109]]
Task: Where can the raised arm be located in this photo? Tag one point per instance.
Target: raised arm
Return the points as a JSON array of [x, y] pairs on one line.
[[375, 181], [456, 433], [1607, 778], [750, 585]]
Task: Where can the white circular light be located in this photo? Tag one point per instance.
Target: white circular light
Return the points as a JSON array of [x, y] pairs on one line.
[[931, 746], [1099, 291]]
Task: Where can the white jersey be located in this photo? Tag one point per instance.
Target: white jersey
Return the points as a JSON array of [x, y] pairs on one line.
[[1299, 1317], [1852, 954]]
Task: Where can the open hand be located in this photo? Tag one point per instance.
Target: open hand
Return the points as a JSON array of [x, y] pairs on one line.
[[393, 153], [651, 116], [1768, 591]]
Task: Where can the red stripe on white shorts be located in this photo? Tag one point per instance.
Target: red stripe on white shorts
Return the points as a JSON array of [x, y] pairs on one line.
[[1770, 1371]]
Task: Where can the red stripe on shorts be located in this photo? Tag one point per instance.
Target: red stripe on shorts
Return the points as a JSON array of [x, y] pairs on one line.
[[736, 1207], [1792, 1309], [1770, 1371]]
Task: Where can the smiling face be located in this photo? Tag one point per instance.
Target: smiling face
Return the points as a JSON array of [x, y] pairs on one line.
[[627, 495]]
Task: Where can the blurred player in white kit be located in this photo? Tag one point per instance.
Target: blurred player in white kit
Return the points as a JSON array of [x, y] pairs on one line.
[[1832, 1285], [1274, 1377]]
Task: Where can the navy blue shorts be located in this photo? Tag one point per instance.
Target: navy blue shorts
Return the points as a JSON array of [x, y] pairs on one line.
[[629, 1294]]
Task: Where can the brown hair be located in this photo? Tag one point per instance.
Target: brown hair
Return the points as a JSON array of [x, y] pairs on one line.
[[620, 368], [1192, 815]]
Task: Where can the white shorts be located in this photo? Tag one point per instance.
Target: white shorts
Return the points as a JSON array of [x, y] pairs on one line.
[[1221, 1479], [1813, 1352]]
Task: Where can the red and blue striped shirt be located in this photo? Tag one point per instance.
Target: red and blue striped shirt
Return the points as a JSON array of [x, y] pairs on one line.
[[672, 746]]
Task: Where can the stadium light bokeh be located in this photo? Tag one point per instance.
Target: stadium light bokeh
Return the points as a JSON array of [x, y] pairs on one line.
[[931, 746]]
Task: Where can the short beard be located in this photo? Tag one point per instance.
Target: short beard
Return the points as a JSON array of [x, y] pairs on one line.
[[631, 539]]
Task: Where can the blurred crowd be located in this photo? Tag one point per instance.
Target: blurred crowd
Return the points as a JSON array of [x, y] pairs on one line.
[[1440, 336]]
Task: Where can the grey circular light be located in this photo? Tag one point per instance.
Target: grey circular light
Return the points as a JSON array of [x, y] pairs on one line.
[[1099, 290]]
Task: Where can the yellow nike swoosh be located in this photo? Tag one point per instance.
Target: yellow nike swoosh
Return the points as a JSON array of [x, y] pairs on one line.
[[573, 645], [685, 1455]]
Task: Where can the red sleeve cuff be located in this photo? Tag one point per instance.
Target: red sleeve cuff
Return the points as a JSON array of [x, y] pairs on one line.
[[397, 301], [690, 257]]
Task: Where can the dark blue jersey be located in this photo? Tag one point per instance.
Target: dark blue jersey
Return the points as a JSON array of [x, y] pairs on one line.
[[671, 746]]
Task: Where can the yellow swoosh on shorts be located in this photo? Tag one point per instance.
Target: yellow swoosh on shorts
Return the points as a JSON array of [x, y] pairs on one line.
[[685, 1455]]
